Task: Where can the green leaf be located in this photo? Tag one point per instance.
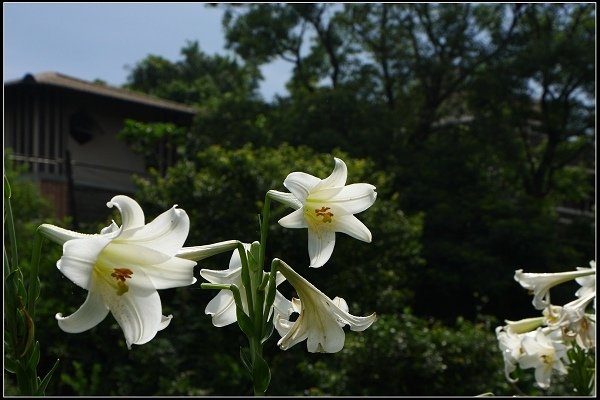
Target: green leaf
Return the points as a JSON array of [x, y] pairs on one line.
[[7, 191], [246, 281], [42, 386], [30, 329], [271, 288], [21, 291], [10, 225], [268, 328], [10, 365], [35, 356], [261, 374], [244, 322], [246, 359], [254, 257]]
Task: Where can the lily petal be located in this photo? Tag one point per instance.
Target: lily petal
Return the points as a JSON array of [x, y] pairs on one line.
[[198, 253], [112, 228], [337, 178], [320, 247], [300, 184], [79, 258], [164, 322], [524, 325], [60, 235], [132, 214], [355, 198], [282, 306], [166, 233], [175, 272], [352, 226], [222, 309], [138, 312], [91, 313], [323, 194], [328, 340], [345, 318], [131, 253], [226, 276], [285, 198], [235, 262], [294, 220]]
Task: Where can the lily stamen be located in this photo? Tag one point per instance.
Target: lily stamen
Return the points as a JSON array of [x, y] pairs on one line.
[[122, 274], [322, 212]]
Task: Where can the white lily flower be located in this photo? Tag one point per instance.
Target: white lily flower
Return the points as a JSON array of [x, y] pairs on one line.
[[541, 283], [524, 325], [510, 344], [320, 320], [577, 324], [545, 355], [122, 268], [222, 307], [585, 331], [588, 283], [325, 206], [197, 253]]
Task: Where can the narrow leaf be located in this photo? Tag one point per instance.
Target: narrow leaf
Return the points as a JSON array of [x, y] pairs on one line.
[[35, 356], [261, 374], [44, 384], [246, 359], [268, 330]]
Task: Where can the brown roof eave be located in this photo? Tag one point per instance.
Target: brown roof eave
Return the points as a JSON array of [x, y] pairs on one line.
[[66, 82]]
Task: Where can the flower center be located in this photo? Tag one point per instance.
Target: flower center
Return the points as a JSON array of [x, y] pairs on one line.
[[323, 212], [121, 275], [547, 359]]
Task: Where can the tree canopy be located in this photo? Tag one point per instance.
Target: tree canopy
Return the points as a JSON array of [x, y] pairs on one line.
[[474, 121]]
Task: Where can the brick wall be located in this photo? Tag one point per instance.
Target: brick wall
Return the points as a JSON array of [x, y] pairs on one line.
[[56, 193]]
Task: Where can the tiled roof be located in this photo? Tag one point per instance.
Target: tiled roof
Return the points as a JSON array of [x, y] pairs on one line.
[[68, 82]]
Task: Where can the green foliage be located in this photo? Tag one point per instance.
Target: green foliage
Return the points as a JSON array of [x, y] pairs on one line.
[[474, 122], [21, 285], [582, 373], [84, 381], [407, 356], [195, 79]]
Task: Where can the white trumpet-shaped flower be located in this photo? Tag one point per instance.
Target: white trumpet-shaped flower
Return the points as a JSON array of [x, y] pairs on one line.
[[544, 354], [222, 307], [325, 206], [588, 283], [541, 283], [320, 320], [122, 268], [524, 325], [510, 343]]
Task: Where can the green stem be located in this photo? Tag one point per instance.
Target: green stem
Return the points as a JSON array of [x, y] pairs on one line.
[[271, 287], [258, 288], [257, 306], [10, 226], [255, 349], [33, 289], [264, 230], [246, 279], [222, 286], [10, 305]]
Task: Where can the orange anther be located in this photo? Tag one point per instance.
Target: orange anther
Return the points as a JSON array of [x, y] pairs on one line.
[[322, 212]]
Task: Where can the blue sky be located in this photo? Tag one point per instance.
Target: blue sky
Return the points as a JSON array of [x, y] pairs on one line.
[[99, 40]]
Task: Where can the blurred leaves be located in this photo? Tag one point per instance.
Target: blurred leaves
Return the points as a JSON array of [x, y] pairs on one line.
[[474, 121]]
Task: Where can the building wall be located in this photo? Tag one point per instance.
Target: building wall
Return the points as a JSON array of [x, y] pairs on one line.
[[48, 126]]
